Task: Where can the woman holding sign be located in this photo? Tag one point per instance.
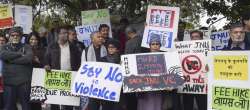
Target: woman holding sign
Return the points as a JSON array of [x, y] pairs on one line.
[[37, 62], [151, 100]]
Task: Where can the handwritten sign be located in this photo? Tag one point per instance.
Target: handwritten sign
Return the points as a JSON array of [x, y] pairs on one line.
[[151, 72], [83, 32], [228, 98], [91, 20], [95, 16], [58, 80], [220, 39], [6, 17], [194, 66], [23, 18], [53, 87], [98, 80], [162, 21], [206, 34], [229, 90]]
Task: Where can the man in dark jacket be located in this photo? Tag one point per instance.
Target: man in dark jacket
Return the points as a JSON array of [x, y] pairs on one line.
[[62, 55], [238, 39], [73, 40], [17, 71], [133, 45]]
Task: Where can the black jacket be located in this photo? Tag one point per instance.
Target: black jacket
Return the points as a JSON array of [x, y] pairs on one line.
[[53, 55], [17, 64]]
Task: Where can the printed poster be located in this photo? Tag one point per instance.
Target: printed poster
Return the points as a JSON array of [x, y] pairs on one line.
[[6, 16], [53, 87], [194, 65], [98, 80], [228, 85], [24, 18], [151, 72], [163, 22]]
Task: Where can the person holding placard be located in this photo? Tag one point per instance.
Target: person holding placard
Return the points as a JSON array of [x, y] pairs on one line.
[[95, 52], [238, 40], [112, 57], [38, 59], [201, 99], [62, 55], [151, 100]]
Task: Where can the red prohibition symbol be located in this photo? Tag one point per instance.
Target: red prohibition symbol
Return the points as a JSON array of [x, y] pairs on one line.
[[191, 64]]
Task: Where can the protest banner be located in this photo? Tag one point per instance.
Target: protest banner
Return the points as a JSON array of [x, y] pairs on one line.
[[100, 16], [24, 18], [91, 20], [220, 39], [83, 32], [161, 21], [53, 87], [151, 72], [6, 16], [194, 66], [98, 80], [228, 80], [206, 34]]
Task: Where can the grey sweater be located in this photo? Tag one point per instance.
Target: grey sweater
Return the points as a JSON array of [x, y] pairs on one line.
[[17, 64]]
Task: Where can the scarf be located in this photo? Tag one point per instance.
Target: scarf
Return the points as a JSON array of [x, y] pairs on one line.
[[91, 53]]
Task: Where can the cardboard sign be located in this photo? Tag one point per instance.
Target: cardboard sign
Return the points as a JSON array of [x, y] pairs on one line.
[[220, 39], [53, 87], [151, 72], [6, 16], [95, 17], [206, 34], [83, 32], [23, 18], [230, 98], [194, 65], [162, 21], [91, 20], [228, 85], [98, 80]]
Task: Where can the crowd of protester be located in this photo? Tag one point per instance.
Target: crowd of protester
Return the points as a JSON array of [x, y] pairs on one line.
[[59, 49]]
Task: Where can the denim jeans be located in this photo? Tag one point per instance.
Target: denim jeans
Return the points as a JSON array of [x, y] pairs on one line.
[[20, 92]]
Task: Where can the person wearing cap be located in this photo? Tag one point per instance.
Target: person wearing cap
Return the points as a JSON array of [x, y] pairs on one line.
[[17, 71], [238, 40], [151, 100]]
